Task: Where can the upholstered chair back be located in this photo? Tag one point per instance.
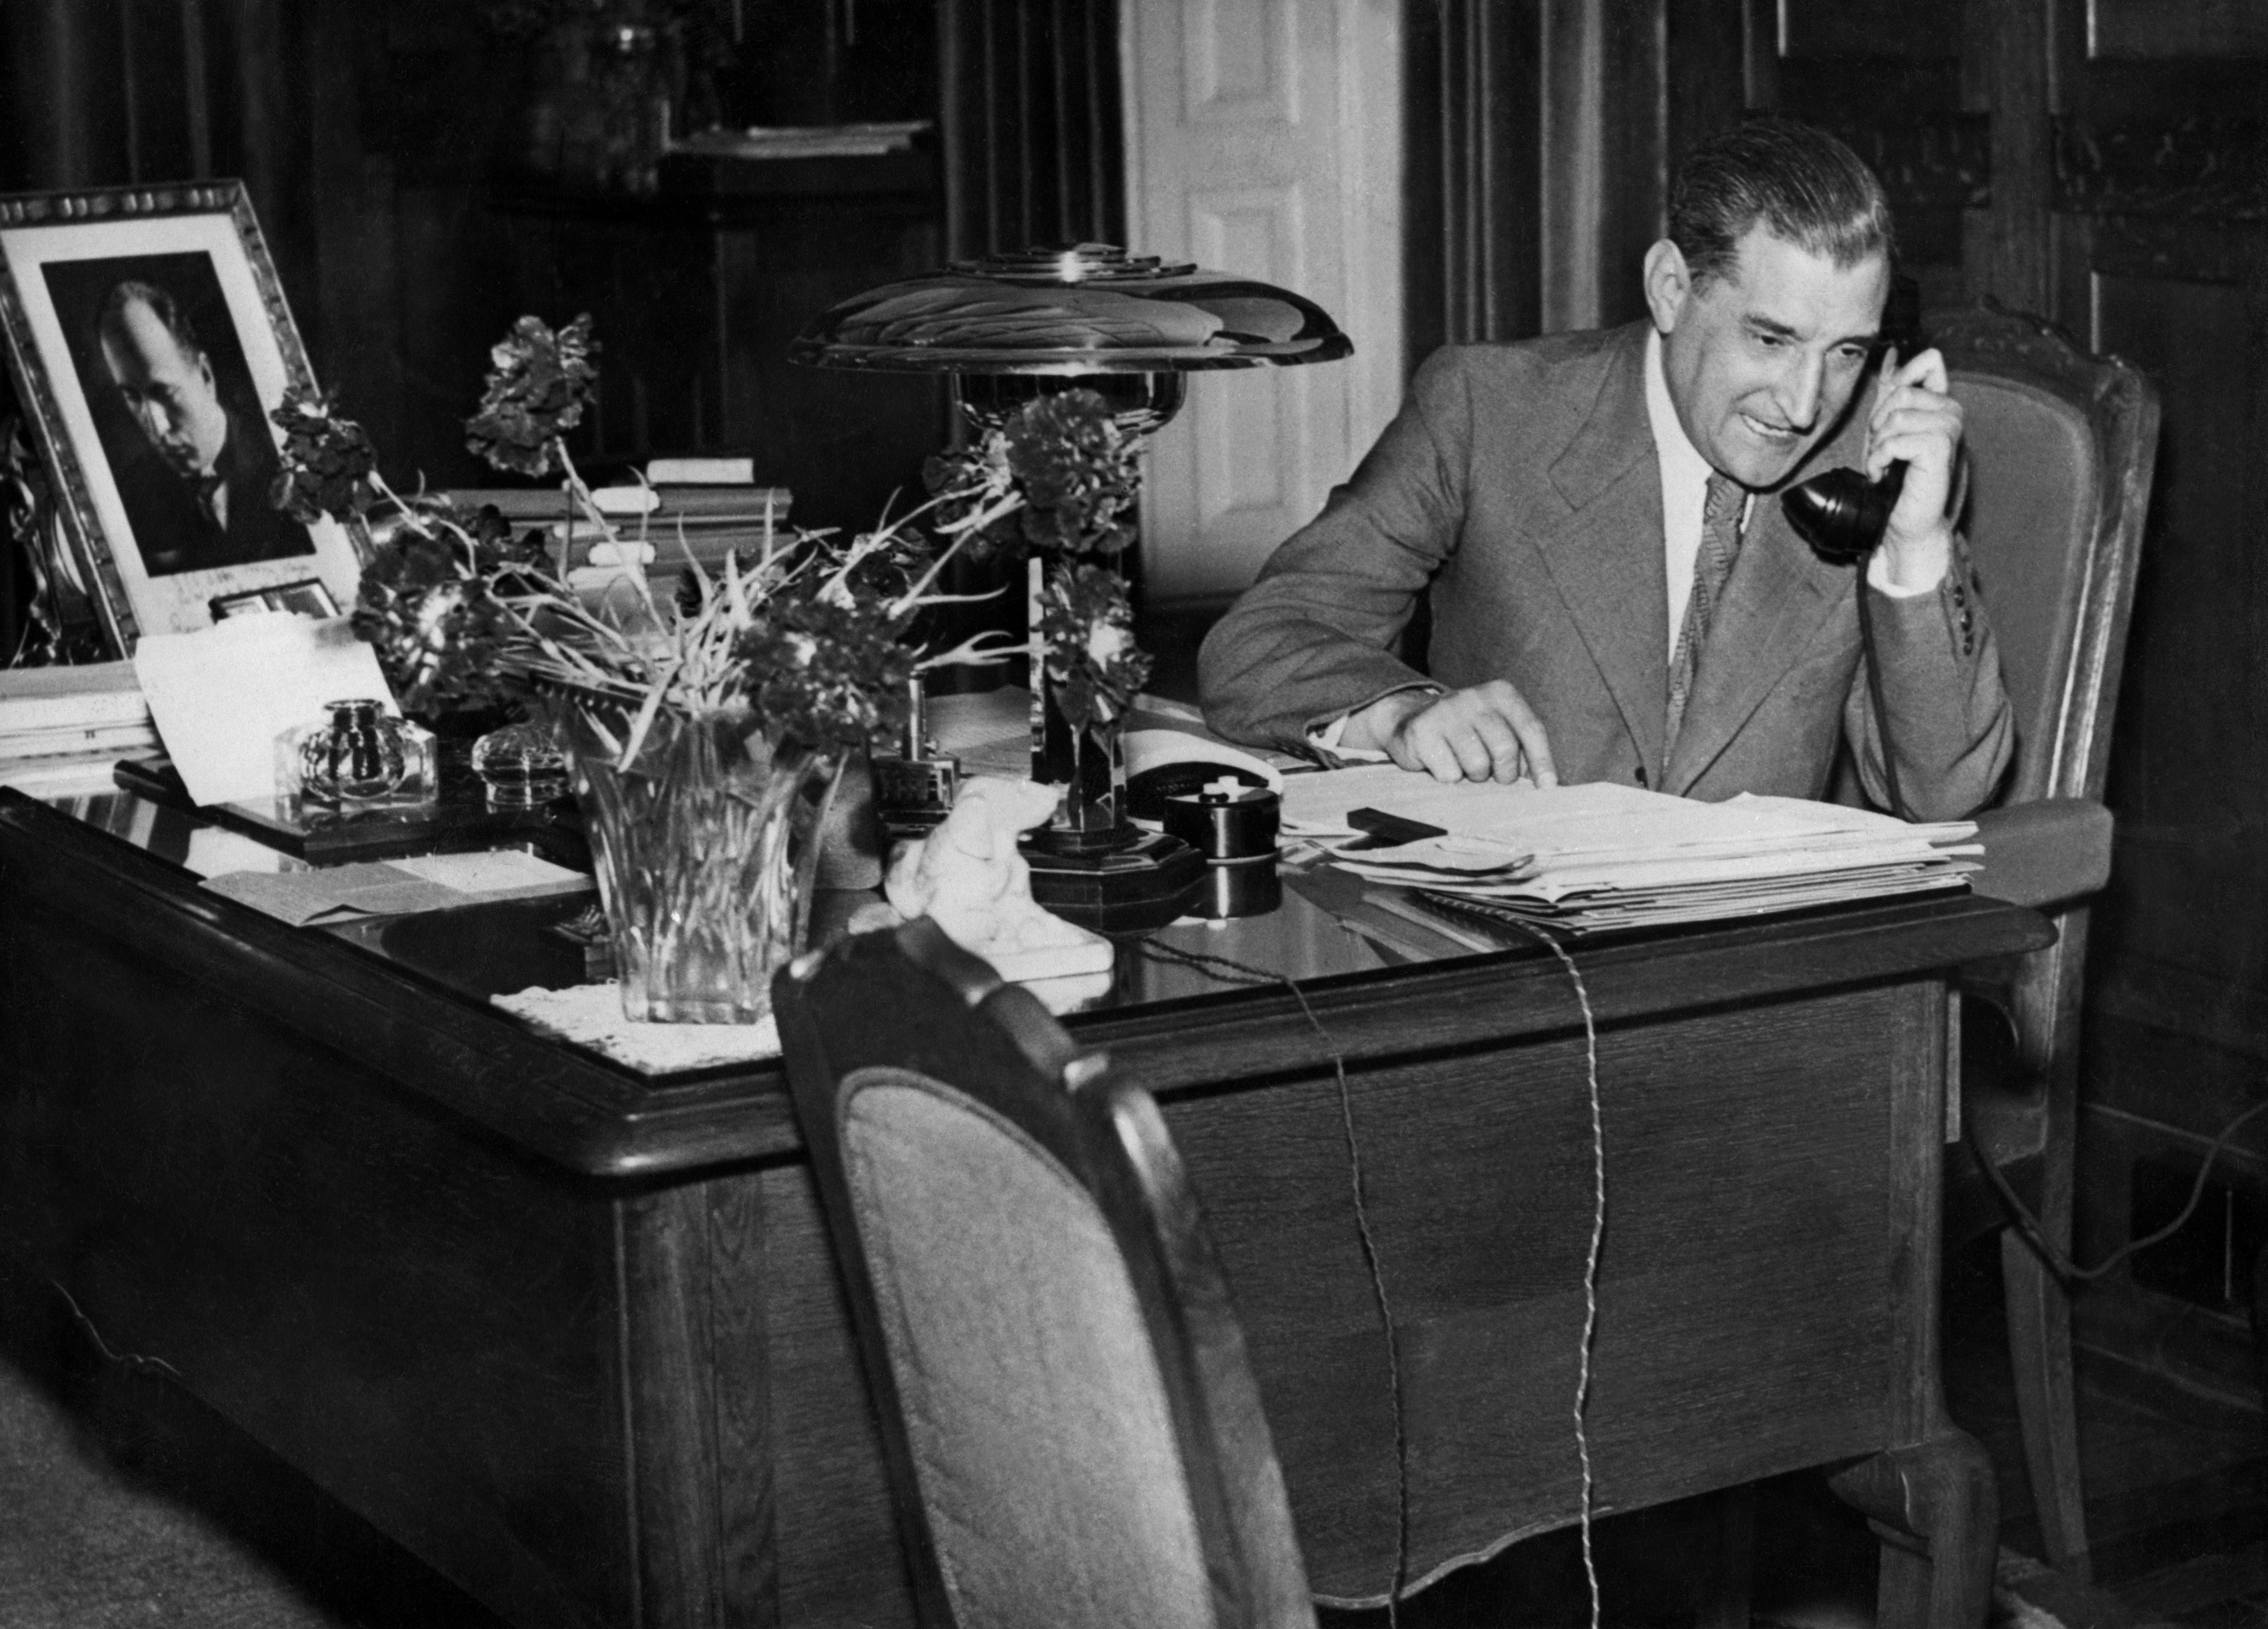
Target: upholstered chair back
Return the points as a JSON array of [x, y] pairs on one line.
[[1074, 1434], [2030, 518], [1042, 1443], [2060, 450]]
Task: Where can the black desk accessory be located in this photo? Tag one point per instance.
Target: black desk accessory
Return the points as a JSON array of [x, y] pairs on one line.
[[1226, 821], [1140, 886], [1381, 829], [1146, 792], [914, 787], [1233, 826], [458, 821]]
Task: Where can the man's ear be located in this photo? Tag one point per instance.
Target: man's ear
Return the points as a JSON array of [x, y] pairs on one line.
[[1667, 284]]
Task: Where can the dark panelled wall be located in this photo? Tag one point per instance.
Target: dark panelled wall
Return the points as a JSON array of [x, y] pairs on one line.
[[386, 145], [114, 92], [1540, 138], [1033, 124]]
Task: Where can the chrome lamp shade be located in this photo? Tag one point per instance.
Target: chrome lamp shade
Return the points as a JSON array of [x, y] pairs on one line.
[[1073, 311]]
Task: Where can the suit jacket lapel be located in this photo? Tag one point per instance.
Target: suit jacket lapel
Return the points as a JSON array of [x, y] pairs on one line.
[[1606, 561], [1778, 595]]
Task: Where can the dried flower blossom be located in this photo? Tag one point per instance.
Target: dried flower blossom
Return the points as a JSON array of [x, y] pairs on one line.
[[1071, 468], [833, 675], [536, 388], [326, 462], [1078, 471], [441, 629], [1087, 624]]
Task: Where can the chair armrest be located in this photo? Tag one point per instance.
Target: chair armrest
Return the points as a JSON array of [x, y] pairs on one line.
[[2044, 854]]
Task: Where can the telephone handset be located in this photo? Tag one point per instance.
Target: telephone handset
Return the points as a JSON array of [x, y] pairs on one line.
[[1841, 513]]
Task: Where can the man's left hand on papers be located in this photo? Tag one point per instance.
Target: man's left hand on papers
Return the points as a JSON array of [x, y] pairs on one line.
[[1487, 732]]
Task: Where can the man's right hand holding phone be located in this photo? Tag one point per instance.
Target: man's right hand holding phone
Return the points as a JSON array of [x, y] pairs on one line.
[[1487, 732]]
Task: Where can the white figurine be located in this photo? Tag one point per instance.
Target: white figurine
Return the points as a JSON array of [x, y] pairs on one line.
[[967, 877]]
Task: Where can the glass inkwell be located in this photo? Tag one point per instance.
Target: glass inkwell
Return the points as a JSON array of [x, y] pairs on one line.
[[359, 756]]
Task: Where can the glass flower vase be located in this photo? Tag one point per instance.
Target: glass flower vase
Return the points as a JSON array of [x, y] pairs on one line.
[[706, 845]]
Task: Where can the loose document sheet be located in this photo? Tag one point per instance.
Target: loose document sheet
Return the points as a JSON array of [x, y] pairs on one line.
[[222, 695], [316, 897]]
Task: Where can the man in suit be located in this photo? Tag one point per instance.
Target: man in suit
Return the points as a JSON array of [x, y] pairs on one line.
[[202, 499], [1615, 593]]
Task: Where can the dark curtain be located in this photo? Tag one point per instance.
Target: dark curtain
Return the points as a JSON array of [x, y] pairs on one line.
[[1471, 269], [1540, 141], [1030, 107]]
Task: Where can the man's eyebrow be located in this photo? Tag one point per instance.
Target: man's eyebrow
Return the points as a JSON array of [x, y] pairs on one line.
[[1762, 324]]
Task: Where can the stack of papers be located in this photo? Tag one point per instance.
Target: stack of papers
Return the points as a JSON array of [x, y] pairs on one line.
[[1590, 858], [62, 728]]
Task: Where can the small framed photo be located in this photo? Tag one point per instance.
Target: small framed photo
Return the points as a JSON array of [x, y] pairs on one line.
[[149, 341], [306, 599]]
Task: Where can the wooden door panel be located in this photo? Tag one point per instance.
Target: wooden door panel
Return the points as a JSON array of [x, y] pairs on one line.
[[1264, 141]]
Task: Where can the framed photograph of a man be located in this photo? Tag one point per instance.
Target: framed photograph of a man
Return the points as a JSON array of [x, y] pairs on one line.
[[149, 342]]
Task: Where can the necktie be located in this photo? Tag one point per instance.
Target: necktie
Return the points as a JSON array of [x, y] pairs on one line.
[[1720, 543], [212, 499]]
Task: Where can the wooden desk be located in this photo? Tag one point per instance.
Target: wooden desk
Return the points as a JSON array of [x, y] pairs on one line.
[[572, 1334]]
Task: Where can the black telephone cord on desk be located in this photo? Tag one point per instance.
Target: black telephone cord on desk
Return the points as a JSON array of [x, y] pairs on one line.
[[2061, 1265], [1230, 971]]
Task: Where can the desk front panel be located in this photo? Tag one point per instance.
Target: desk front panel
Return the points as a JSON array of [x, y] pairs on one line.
[[1747, 1288], [422, 1319], [484, 1355], [1760, 1167]]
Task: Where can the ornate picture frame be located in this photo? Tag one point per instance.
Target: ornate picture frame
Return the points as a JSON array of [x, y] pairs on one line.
[[149, 342]]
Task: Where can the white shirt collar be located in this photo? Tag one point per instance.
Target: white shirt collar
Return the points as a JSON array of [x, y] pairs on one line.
[[1684, 488], [1681, 460]]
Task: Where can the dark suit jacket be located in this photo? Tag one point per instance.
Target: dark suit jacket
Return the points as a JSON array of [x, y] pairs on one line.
[[1519, 488], [175, 534]]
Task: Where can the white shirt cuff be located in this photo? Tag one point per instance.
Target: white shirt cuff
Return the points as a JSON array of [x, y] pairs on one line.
[[1326, 738], [1878, 576]]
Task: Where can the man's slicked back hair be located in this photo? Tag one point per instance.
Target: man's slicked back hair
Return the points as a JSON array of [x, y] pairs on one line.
[[161, 305], [1805, 187]]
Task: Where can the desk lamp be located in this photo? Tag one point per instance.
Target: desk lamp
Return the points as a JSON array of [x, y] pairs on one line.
[[1007, 330]]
